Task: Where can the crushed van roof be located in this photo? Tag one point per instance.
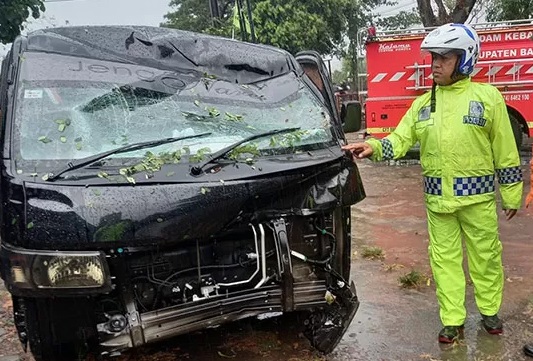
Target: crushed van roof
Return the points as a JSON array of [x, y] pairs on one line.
[[165, 48]]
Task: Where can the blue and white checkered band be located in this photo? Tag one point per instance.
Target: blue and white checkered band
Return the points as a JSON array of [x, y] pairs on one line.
[[469, 186], [509, 175], [388, 152], [433, 186]]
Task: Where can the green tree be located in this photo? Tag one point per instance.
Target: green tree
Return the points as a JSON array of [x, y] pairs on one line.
[[360, 16], [401, 20], [499, 10], [339, 77], [345, 73], [195, 15], [13, 14], [293, 25], [296, 25]]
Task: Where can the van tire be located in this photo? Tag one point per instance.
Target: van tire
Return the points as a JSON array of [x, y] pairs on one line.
[[59, 329]]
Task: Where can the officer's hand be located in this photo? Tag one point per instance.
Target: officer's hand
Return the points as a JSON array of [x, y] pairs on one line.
[[359, 150], [510, 213]]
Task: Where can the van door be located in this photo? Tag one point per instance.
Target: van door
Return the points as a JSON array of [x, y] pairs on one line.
[[316, 70]]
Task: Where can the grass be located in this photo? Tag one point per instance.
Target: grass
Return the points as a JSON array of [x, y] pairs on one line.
[[413, 279], [392, 267], [371, 252]]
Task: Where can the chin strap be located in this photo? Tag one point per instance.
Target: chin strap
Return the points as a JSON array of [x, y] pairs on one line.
[[433, 97]]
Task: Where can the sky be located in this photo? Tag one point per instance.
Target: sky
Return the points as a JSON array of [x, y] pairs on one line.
[[106, 12], [100, 12]]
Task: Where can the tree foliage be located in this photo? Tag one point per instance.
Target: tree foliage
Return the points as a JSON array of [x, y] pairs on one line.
[[195, 15], [294, 25], [344, 74], [439, 12], [499, 10], [13, 14], [401, 20]]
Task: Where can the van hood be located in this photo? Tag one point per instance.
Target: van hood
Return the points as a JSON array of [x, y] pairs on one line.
[[66, 217]]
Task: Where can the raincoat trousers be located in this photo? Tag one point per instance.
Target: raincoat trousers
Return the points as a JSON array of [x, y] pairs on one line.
[[465, 146]]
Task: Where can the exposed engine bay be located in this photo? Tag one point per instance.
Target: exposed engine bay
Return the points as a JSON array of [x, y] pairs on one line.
[[241, 261]]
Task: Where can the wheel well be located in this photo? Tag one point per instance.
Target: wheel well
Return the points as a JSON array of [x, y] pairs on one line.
[[516, 114]]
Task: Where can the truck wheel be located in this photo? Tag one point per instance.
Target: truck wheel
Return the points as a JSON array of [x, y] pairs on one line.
[[517, 130], [59, 329]]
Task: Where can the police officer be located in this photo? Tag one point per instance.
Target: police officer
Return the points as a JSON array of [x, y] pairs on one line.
[[466, 144]]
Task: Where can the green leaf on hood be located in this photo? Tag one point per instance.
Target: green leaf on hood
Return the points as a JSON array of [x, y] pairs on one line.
[[44, 139]]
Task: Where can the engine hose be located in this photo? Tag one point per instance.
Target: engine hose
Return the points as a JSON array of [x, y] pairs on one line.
[[325, 262]]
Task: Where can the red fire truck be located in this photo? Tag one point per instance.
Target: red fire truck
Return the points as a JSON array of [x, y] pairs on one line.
[[397, 72]]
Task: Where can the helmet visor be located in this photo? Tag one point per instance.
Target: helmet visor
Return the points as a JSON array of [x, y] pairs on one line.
[[441, 51]]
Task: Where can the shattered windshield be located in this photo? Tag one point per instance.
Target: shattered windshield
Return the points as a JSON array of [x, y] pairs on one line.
[[70, 108]]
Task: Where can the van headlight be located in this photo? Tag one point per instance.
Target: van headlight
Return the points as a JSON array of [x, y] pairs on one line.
[[68, 271], [26, 271]]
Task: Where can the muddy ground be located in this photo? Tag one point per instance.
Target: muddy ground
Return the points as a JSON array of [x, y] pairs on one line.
[[393, 323]]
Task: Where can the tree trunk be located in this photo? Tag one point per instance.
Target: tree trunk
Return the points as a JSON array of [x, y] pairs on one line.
[[462, 10], [459, 14], [426, 13]]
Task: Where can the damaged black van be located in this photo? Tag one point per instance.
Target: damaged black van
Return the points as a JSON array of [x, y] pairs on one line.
[[156, 182]]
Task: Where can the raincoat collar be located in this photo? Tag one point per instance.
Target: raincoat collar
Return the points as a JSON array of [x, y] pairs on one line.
[[457, 86]]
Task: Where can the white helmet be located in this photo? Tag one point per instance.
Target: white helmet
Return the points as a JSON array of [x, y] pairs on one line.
[[460, 37]]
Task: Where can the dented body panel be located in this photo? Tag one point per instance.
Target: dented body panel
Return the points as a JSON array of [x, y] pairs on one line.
[[80, 218]]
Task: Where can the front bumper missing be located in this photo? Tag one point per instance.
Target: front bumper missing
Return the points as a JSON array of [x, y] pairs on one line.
[[324, 331], [331, 304]]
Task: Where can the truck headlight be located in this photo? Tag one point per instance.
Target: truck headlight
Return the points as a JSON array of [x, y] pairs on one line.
[[68, 271]]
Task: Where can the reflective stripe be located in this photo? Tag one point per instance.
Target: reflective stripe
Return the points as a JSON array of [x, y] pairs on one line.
[[494, 70], [388, 152], [515, 69], [378, 78], [433, 185], [383, 130], [469, 186], [509, 175], [397, 76], [476, 70]]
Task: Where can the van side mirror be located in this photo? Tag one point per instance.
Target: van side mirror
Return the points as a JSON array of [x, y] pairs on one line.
[[351, 116]]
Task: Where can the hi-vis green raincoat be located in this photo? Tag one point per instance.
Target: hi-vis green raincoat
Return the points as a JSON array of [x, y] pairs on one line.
[[465, 145]]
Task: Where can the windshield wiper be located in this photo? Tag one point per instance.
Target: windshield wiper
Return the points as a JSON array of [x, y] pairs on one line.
[[127, 148], [197, 170]]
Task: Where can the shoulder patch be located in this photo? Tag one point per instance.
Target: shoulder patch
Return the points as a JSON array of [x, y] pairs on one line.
[[477, 109], [424, 114]]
